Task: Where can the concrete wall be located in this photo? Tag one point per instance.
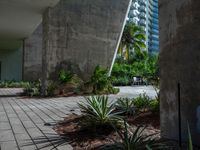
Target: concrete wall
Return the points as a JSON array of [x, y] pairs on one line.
[[33, 56], [82, 33], [180, 62], [11, 64]]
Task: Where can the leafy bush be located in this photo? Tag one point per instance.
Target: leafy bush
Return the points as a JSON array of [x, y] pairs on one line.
[[13, 84], [98, 111], [145, 67], [134, 140], [52, 86], [100, 80], [32, 89], [65, 76], [142, 102], [112, 90], [121, 81], [126, 106], [154, 106]]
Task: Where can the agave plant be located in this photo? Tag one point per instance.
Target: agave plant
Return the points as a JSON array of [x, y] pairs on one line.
[[98, 111], [134, 140], [126, 106]]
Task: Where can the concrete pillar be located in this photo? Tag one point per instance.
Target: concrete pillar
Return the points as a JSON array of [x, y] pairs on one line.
[[46, 49], [84, 33], [180, 62]]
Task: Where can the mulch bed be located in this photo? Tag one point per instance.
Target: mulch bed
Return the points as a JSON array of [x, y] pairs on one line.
[[90, 139]]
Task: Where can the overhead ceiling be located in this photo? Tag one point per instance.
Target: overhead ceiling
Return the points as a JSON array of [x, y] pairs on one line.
[[19, 18]]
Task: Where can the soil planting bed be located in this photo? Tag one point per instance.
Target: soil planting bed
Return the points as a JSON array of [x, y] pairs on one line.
[[90, 139]]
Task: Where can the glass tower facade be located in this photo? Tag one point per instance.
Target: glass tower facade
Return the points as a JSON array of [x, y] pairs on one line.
[[145, 14]]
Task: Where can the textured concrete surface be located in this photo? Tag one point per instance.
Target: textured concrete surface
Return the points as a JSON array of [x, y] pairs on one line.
[[19, 18], [179, 62], [33, 56], [82, 33], [23, 120]]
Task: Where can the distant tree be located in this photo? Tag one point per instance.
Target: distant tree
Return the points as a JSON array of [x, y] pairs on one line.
[[133, 39]]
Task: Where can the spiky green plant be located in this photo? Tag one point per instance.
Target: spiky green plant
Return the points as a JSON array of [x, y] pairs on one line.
[[98, 111], [126, 106], [190, 145], [134, 140]]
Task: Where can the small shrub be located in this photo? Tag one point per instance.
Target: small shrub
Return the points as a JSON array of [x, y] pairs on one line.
[[65, 76], [98, 111], [142, 102], [100, 79], [126, 106], [134, 140], [113, 90], [121, 81], [32, 89], [52, 86], [154, 106], [13, 84]]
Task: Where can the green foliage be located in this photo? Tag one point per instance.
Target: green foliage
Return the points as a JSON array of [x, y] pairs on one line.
[[134, 140], [154, 106], [112, 90], [13, 84], [142, 102], [100, 79], [65, 76], [145, 67], [133, 38], [98, 111], [190, 145], [126, 106], [121, 81], [51, 88], [32, 89]]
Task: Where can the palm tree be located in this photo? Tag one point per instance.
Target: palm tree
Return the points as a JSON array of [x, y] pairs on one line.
[[133, 39]]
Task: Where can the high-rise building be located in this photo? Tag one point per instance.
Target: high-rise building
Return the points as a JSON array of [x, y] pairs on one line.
[[145, 14]]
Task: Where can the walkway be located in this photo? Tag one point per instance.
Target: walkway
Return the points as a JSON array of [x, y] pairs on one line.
[[26, 124], [22, 122]]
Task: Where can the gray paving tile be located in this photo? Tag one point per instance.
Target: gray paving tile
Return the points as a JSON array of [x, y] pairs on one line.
[[4, 125], [6, 135], [18, 129], [27, 147], [29, 124], [10, 145]]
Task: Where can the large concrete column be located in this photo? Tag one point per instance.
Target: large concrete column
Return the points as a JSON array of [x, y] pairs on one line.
[[180, 62], [84, 33], [46, 49]]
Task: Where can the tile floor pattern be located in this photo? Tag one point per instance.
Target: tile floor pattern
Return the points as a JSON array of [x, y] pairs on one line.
[[26, 123], [22, 121]]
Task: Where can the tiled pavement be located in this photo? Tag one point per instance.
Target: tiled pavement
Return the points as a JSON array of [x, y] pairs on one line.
[[22, 121], [26, 123]]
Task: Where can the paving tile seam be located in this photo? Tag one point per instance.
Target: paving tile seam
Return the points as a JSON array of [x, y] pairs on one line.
[[10, 126], [38, 109], [42, 115], [38, 105], [47, 103], [37, 128], [23, 123], [48, 109]]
